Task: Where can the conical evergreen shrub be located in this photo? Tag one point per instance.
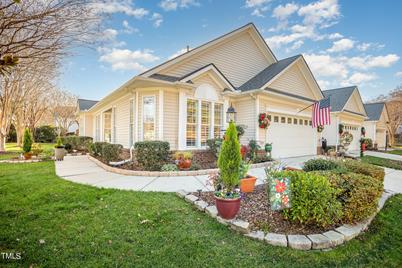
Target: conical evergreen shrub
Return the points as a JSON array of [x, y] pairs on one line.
[[27, 142], [230, 159]]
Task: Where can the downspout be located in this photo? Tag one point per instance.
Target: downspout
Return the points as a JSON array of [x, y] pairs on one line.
[[337, 134]]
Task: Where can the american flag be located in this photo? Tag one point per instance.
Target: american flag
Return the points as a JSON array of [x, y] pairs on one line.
[[321, 113]]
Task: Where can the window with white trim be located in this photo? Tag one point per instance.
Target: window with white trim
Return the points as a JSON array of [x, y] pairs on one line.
[[97, 128], [191, 127], [107, 126], [218, 119], [205, 122], [149, 115], [131, 125]]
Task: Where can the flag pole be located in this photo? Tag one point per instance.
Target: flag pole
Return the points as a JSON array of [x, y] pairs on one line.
[[305, 108]]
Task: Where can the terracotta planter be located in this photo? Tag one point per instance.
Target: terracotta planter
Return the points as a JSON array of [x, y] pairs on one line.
[[185, 164], [59, 153], [247, 184], [227, 208], [28, 156]]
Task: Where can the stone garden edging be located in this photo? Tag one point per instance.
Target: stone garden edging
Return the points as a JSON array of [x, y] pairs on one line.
[[19, 161], [163, 173], [326, 240]]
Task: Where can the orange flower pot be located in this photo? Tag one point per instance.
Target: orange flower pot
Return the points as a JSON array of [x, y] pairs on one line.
[[28, 156], [247, 184]]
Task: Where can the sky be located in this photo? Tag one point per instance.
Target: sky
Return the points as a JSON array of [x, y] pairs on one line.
[[344, 42]]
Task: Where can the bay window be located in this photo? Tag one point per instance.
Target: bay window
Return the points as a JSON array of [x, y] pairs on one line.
[[149, 114], [204, 121]]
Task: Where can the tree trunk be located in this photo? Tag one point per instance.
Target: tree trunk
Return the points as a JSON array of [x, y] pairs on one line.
[[2, 142]]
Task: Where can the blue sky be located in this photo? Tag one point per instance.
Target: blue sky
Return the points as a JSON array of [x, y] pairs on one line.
[[345, 42]]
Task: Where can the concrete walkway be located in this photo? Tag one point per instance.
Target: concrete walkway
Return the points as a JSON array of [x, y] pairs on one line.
[[80, 169], [384, 155]]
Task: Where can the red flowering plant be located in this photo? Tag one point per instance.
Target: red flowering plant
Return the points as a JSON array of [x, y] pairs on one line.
[[263, 120]]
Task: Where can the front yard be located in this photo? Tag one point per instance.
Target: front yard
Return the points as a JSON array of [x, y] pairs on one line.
[[379, 161], [14, 151], [53, 222]]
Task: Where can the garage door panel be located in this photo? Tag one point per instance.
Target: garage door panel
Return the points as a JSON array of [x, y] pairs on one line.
[[291, 140]]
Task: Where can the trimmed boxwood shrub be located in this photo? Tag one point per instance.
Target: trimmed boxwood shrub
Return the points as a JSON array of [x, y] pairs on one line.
[[152, 155], [319, 164], [45, 134], [313, 199], [365, 169], [79, 143], [358, 194], [106, 151]]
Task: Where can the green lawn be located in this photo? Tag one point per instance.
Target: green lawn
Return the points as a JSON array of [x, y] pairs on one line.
[[12, 150], [396, 151], [83, 226], [379, 161]]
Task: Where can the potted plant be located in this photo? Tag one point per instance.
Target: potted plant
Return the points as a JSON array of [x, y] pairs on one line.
[[183, 160], [59, 150], [227, 198], [247, 182], [27, 144]]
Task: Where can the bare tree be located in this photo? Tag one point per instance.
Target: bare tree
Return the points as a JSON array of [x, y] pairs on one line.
[[64, 110], [393, 101]]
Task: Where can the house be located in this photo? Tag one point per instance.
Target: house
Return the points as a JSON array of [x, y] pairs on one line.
[[83, 105], [376, 123], [184, 100], [347, 109]]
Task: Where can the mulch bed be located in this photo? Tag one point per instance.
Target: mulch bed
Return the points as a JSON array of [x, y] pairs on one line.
[[256, 210]]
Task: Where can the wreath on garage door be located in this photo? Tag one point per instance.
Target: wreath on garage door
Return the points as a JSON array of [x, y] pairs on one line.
[[263, 120]]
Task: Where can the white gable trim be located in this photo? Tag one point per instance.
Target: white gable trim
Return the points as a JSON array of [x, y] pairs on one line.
[[361, 105], [212, 68], [248, 27]]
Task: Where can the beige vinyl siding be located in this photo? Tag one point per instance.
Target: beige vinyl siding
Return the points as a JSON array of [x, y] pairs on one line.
[[88, 126], [140, 114], [171, 118], [238, 59], [354, 104], [293, 81], [122, 111], [382, 122], [246, 116]]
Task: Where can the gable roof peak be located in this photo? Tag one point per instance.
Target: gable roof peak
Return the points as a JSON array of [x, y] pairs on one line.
[[374, 110]]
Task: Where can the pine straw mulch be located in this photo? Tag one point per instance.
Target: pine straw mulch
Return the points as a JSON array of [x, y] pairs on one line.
[[256, 210]]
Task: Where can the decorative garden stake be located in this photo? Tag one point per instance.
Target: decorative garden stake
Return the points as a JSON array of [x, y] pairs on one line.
[[279, 193]]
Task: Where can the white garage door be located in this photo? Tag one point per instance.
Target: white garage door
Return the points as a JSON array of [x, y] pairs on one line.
[[355, 131], [291, 136], [380, 137]]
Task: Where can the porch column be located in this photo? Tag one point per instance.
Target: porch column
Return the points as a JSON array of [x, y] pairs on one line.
[[161, 112], [182, 120], [257, 111], [136, 117], [337, 134]]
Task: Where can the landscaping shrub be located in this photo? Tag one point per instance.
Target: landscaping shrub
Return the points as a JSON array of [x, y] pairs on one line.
[[68, 147], [152, 155], [358, 194], [195, 166], [169, 167], [96, 148], [314, 200], [36, 149], [365, 169], [320, 164], [12, 134], [45, 134], [27, 141], [368, 142], [79, 143], [230, 159], [111, 152]]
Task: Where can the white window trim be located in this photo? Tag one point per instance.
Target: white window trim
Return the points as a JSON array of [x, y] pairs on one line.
[[131, 125], [160, 116], [143, 115]]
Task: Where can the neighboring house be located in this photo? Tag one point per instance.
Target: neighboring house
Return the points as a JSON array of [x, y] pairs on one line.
[[85, 120], [184, 100], [376, 123], [347, 108]]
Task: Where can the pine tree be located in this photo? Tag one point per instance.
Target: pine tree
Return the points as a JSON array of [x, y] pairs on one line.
[[27, 143], [230, 159]]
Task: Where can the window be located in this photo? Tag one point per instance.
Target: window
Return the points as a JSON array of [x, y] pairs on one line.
[[276, 119], [107, 126], [205, 122], [309, 122], [192, 114], [97, 128], [300, 121], [295, 121], [218, 118], [283, 119], [305, 122], [149, 111], [131, 125], [269, 117], [289, 120]]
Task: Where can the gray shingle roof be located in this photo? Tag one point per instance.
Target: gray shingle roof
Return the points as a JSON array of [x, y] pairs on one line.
[[267, 74], [165, 77], [374, 110], [338, 97], [86, 104]]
